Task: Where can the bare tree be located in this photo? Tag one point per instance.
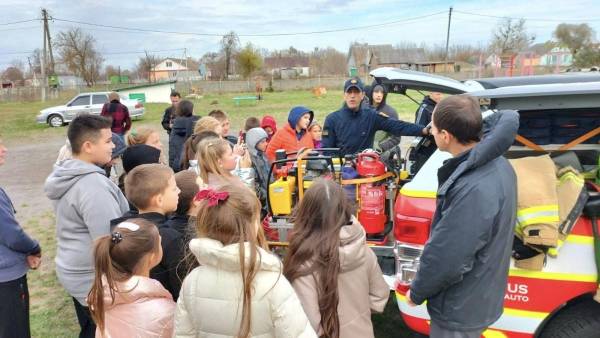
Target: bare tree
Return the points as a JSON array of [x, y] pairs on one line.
[[574, 37], [229, 46], [511, 36], [146, 65], [328, 61], [14, 73], [78, 52]]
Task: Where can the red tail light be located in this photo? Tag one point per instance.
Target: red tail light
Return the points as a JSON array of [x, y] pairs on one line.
[[413, 230], [139, 105]]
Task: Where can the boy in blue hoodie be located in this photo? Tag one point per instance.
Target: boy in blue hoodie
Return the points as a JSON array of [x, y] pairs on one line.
[[18, 253], [85, 201]]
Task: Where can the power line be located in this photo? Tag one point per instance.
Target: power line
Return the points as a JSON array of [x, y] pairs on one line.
[[143, 51], [528, 19], [254, 35], [17, 22]]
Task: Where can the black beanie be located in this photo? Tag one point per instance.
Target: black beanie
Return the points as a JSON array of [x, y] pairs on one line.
[[139, 154]]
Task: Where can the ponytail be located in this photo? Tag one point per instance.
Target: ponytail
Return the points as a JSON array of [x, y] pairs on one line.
[[104, 267]]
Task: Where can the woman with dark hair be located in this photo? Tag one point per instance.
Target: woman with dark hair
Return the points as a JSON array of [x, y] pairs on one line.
[[183, 128], [329, 264]]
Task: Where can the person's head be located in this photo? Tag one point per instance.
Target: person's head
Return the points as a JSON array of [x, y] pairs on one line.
[[315, 131], [256, 139], [208, 123], [186, 182], [114, 96], [184, 108], [223, 119], [152, 187], [456, 123], [175, 98], [91, 138], [190, 147], [251, 122], [3, 151], [378, 95], [234, 218], [300, 117], [318, 219], [436, 96], [269, 124], [144, 135], [353, 93], [215, 156], [132, 248], [139, 154]]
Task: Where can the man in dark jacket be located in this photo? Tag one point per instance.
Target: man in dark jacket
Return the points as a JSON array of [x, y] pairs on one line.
[[18, 254], [353, 127], [169, 114], [183, 128], [423, 114], [464, 267]]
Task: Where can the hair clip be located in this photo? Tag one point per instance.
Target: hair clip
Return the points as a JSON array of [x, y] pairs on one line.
[[213, 197], [129, 226], [116, 237]]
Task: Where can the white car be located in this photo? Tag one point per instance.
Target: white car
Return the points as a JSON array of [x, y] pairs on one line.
[[90, 103]]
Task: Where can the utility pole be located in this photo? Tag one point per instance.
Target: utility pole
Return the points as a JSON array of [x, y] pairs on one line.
[[43, 61], [47, 28], [448, 33]]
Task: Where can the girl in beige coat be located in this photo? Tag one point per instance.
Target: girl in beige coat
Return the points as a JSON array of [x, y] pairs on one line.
[[238, 289], [330, 266]]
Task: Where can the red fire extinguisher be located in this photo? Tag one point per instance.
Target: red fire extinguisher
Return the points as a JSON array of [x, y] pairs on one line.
[[372, 195]]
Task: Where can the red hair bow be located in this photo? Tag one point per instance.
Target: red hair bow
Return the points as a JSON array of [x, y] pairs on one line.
[[213, 197]]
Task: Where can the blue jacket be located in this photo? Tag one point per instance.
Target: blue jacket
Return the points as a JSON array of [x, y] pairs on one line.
[[15, 245], [353, 132], [464, 266]]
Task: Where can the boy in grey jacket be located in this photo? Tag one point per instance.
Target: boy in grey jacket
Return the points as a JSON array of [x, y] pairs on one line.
[[464, 266], [85, 201]]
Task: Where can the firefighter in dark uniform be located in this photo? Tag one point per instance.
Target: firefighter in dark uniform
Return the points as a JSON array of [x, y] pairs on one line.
[[423, 114], [353, 127]]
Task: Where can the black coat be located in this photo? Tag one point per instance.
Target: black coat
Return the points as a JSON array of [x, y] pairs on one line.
[[423, 114], [168, 117], [464, 266], [183, 128]]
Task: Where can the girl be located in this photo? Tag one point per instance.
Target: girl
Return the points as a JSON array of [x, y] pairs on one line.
[[189, 160], [124, 301], [208, 123], [218, 164], [144, 135], [238, 289], [334, 273], [316, 132]]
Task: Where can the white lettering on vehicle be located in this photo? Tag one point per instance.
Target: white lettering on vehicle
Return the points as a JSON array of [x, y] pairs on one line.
[[517, 293]]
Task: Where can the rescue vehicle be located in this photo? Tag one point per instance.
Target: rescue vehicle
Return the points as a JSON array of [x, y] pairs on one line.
[[558, 300]]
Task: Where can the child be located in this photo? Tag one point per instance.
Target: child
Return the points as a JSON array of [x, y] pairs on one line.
[[18, 253], [269, 124], [208, 123], [293, 136], [238, 289], [151, 188], [186, 207], [217, 162], [84, 201], [316, 132], [189, 159], [334, 273], [251, 122], [225, 125], [134, 156], [124, 301], [183, 127], [144, 135], [257, 144]]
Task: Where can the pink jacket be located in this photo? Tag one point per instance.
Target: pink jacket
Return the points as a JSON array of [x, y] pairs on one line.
[[148, 310]]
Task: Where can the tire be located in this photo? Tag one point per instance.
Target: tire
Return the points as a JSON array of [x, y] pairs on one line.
[[55, 120], [581, 320]]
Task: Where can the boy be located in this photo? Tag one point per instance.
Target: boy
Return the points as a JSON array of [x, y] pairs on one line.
[[85, 201], [222, 117], [152, 189]]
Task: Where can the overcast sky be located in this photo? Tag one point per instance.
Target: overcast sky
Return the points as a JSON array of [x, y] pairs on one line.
[[414, 21]]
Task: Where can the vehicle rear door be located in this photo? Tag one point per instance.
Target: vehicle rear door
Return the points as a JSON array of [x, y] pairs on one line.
[[98, 101], [79, 105], [399, 80]]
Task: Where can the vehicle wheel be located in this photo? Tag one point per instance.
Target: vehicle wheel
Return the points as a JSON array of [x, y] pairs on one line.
[[581, 320], [55, 120]]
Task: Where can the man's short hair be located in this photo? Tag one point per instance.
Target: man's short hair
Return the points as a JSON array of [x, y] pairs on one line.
[[459, 115], [175, 94], [219, 115], [146, 181], [86, 127]]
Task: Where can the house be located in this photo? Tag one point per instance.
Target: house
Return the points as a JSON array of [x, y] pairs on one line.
[[174, 68], [287, 66], [557, 57], [152, 92]]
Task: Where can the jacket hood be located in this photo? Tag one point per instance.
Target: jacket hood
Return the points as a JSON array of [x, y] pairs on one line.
[[269, 121], [66, 174], [213, 253], [134, 289], [369, 94], [352, 246], [253, 137], [296, 113]]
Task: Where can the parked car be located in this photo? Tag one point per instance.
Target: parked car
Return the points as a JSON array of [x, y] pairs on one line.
[[85, 103], [556, 301]]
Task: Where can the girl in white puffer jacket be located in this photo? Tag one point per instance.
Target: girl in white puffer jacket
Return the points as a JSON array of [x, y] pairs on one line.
[[238, 289]]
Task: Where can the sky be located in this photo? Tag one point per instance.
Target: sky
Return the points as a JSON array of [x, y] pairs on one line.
[[396, 22]]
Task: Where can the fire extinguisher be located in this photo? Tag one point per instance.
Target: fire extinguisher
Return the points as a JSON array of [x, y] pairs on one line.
[[371, 212]]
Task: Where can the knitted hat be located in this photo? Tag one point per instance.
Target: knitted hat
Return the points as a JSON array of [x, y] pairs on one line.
[[139, 154]]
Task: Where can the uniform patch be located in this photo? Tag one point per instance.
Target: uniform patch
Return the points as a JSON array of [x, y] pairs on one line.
[[383, 114], [325, 132], [353, 81]]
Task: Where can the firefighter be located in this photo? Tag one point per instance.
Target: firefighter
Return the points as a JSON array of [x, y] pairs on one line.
[[423, 114], [353, 127]]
